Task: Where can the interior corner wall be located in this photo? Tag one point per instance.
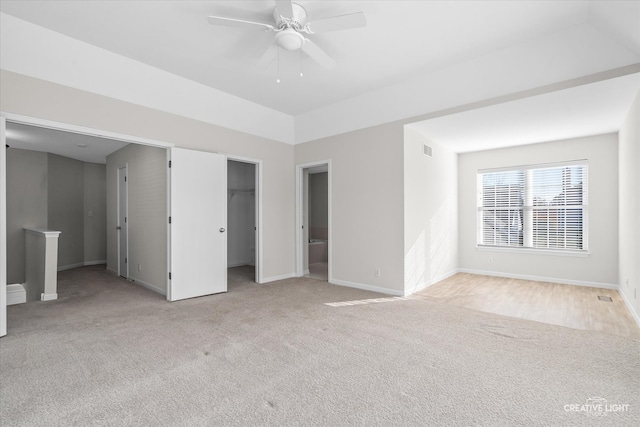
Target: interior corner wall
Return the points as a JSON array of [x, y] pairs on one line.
[[430, 212], [26, 205], [600, 267], [147, 214], [629, 195], [65, 208], [366, 206], [33, 97]]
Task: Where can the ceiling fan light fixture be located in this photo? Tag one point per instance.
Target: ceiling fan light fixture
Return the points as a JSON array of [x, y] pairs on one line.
[[290, 39]]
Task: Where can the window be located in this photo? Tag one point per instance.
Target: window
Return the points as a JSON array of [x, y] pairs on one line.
[[540, 207]]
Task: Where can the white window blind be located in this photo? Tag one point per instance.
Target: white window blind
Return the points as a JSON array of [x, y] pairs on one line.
[[542, 206]]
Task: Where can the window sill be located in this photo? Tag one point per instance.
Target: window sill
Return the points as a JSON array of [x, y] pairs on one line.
[[513, 250]]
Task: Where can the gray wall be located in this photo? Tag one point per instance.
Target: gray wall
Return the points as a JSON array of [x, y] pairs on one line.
[[147, 213], [95, 212], [318, 204], [66, 208], [241, 213], [49, 191], [26, 204], [629, 226], [600, 266], [367, 205]]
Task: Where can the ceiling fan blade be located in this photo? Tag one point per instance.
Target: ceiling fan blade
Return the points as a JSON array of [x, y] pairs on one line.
[[233, 22], [284, 8], [318, 55], [268, 56], [341, 22]]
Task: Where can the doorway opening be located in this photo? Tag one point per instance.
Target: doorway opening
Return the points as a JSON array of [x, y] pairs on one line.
[[314, 220], [242, 221]]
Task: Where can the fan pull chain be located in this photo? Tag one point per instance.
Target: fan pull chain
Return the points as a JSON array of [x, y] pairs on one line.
[[301, 73], [278, 68]]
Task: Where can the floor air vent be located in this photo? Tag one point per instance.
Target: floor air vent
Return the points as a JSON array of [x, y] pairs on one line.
[[608, 299], [427, 150]]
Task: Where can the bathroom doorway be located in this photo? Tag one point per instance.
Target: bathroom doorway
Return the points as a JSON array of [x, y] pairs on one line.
[[314, 221], [242, 222]]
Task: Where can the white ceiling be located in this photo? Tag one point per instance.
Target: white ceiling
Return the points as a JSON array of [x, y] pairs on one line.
[[593, 109], [405, 43], [73, 145]]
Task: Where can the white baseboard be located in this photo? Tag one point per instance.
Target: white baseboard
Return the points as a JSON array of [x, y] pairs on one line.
[[541, 279], [149, 286], [635, 315], [276, 278], [16, 294], [238, 264], [423, 285], [81, 264], [48, 297], [366, 287]]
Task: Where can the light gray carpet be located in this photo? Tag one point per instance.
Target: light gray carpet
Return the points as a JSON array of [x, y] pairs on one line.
[[112, 353]]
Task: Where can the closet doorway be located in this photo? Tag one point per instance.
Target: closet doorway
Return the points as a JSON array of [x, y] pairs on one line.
[[243, 217]]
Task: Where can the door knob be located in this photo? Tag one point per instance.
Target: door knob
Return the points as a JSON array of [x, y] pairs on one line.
[[118, 228], [222, 229]]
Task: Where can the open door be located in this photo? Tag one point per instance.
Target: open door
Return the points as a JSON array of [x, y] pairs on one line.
[[123, 225], [198, 216], [3, 228]]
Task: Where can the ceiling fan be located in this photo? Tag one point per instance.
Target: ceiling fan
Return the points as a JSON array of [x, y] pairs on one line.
[[290, 26]]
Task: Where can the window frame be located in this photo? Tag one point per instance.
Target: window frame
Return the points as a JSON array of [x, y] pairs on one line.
[[528, 209]]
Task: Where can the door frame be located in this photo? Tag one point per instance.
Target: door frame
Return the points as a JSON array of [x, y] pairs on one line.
[[258, 235], [300, 168], [65, 127], [3, 229], [126, 222]]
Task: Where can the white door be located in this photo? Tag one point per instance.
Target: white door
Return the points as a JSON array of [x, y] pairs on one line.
[[122, 227], [3, 228], [198, 224]]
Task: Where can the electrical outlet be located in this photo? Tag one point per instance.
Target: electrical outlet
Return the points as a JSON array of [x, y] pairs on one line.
[[490, 260], [377, 272], [139, 267]]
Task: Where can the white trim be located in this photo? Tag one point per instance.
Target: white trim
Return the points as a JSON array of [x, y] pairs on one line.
[[3, 228], [535, 251], [276, 278], [238, 264], [258, 196], [299, 201], [633, 312], [48, 297], [67, 127], [149, 286], [16, 294], [364, 287], [541, 279], [81, 264], [577, 162]]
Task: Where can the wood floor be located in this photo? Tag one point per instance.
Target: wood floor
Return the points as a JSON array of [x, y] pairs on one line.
[[566, 305]]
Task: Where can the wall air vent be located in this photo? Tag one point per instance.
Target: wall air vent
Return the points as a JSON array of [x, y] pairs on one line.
[[427, 150]]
